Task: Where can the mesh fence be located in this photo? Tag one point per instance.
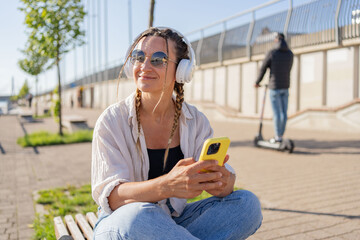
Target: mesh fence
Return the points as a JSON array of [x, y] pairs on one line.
[[313, 23]]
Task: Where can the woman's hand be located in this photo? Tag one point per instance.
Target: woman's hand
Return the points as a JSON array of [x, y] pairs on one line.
[[186, 180], [227, 179]]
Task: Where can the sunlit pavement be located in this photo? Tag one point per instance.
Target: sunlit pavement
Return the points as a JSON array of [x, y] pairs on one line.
[[312, 193]]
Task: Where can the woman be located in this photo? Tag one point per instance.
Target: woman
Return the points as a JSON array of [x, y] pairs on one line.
[[144, 156]]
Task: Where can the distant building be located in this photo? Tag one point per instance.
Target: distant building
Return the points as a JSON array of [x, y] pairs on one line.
[[4, 104]]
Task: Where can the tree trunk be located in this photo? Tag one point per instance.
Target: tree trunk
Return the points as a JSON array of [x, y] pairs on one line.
[[59, 91], [151, 16], [36, 96]]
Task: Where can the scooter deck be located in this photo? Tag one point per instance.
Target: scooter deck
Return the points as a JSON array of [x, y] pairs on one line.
[[285, 145]]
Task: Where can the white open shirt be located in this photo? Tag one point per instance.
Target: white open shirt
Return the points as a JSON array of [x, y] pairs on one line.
[[115, 158]]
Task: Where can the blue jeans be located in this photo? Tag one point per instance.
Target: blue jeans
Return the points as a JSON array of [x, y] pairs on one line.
[[279, 102], [236, 216]]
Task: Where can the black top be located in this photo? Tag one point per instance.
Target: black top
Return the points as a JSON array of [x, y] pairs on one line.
[[280, 61], [156, 158]]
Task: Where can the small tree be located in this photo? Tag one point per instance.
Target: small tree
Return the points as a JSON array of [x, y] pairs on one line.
[[33, 64], [55, 29], [24, 91]]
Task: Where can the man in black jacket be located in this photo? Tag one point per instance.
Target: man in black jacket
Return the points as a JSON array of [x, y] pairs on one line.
[[279, 61]]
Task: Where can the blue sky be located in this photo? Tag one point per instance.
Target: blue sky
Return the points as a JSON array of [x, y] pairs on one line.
[[183, 15]]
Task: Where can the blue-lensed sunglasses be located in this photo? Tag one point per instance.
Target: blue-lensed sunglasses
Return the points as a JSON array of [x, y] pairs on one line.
[[158, 59]]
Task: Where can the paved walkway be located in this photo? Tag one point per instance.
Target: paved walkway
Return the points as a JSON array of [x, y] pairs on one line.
[[313, 193]]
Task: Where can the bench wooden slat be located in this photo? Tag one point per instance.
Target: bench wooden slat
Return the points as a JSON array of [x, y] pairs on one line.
[[73, 228], [60, 229], [84, 225], [92, 219]]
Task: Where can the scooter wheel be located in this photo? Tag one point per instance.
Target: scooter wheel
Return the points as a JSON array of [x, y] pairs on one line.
[[256, 139], [292, 146]]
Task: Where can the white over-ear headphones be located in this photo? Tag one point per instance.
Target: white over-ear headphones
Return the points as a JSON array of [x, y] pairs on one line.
[[185, 67]]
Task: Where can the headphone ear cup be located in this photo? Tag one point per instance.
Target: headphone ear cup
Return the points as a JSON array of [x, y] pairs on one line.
[[184, 71]]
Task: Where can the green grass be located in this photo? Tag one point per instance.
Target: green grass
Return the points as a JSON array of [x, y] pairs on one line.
[[46, 115], [61, 202], [44, 138], [69, 200]]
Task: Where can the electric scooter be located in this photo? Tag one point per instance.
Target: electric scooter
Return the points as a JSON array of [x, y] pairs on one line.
[[259, 141]]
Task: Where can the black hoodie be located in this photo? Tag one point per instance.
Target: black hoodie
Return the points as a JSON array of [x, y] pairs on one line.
[[280, 61]]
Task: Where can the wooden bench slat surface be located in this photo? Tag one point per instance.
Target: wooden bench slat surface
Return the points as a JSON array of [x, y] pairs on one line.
[[60, 229], [73, 228], [84, 225], [92, 219], [80, 228]]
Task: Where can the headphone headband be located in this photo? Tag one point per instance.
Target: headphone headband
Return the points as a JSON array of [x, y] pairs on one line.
[[185, 67]]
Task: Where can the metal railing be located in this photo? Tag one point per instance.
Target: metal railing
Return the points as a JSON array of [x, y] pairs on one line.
[[314, 23]]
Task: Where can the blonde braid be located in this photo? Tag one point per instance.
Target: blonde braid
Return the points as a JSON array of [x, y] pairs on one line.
[[179, 89], [137, 109]]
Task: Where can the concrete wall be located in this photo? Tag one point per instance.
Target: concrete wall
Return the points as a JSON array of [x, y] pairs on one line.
[[260, 94], [293, 105], [233, 94], [340, 76], [311, 80], [248, 92], [220, 86], [197, 86], [207, 88], [324, 79]]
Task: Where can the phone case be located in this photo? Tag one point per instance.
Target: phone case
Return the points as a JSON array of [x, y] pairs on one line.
[[220, 154]]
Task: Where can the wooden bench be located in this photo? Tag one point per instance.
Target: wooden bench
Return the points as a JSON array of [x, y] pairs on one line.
[[79, 229], [74, 123], [27, 117]]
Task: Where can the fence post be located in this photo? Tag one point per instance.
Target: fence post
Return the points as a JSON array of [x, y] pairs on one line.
[[198, 48], [250, 32], [324, 78], [356, 72], [288, 17], [221, 44], [337, 28]]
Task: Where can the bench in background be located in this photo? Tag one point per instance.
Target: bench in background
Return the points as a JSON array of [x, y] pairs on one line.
[[74, 123], [26, 117]]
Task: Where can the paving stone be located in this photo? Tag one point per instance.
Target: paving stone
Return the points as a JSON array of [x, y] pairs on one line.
[[11, 229], [6, 225], [25, 233], [318, 234], [4, 237], [344, 228], [296, 237], [354, 235], [13, 237], [253, 237], [336, 238], [268, 235]]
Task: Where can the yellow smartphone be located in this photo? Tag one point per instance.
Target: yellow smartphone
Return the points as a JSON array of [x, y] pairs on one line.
[[215, 149]]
